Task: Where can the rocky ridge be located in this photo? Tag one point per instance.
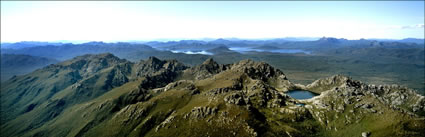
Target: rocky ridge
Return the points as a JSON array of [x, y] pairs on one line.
[[107, 96]]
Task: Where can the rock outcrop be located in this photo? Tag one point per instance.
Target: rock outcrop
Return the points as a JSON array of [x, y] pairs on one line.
[[102, 95], [207, 69]]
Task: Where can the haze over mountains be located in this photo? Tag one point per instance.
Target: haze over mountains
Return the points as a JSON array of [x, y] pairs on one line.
[[19, 64], [26, 44]]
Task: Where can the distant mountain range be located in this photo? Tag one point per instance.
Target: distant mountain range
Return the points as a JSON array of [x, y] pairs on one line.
[[67, 51], [225, 41], [409, 40], [28, 44], [134, 52]]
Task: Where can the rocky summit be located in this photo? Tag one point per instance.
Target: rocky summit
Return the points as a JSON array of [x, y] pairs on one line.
[[103, 95]]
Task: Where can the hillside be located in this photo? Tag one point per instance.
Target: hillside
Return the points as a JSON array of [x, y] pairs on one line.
[[103, 95], [267, 47], [68, 51], [372, 61], [18, 64], [27, 44]]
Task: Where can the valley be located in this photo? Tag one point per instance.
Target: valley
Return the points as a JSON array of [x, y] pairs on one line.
[[103, 95]]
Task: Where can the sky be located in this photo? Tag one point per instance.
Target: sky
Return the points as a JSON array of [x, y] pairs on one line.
[[152, 20]]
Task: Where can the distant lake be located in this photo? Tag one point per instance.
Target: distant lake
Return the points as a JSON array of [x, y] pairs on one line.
[[245, 49], [301, 94]]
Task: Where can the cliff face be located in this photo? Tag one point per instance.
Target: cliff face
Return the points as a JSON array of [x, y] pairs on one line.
[[102, 95]]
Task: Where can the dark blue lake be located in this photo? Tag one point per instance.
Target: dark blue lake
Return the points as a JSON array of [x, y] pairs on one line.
[[301, 94]]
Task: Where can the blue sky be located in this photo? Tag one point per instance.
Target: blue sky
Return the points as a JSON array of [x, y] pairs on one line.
[[149, 20]]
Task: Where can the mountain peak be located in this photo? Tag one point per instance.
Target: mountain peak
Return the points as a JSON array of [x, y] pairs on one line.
[[164, 97], [258, 70], [209, 61], [324, 84], [95, 43], [208, 68], [153, 65], [331, 39], [96, 56], [106, 55], [154, 60], [90, 63]]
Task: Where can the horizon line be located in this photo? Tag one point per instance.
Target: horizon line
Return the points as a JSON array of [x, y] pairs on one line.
[[201, 39]]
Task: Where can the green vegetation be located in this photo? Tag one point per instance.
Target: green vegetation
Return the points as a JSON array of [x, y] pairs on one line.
[[12, 64], [103, 95], [374, 62]]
